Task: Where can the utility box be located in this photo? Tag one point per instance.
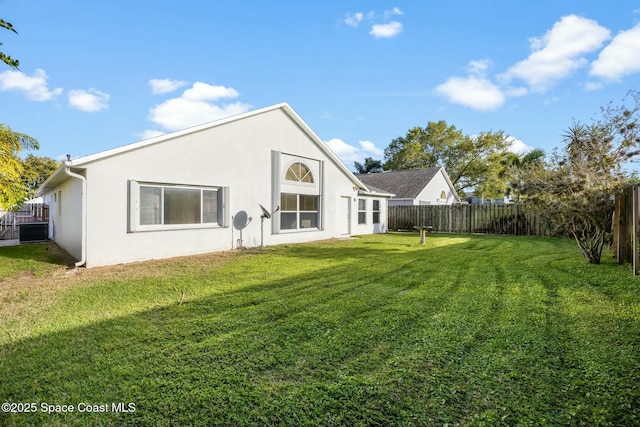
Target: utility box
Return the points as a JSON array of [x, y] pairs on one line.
[[34, 232]]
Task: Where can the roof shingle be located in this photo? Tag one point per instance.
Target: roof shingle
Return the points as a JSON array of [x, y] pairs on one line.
[[405, 184]]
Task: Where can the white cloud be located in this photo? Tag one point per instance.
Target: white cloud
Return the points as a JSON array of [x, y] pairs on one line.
[[91, 100], [341, 148], [475, 92], [389, 30], [558, 53], [206, 92], [378, 30], [515, 91], [34, 86], [620, 57], [392, 12], [591, 86], [160, 86], [370, 148], [195, 107], [350, 153], [518, 147], [149, 133], [354, 20]]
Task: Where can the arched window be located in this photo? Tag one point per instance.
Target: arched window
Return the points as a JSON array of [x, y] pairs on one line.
[[299, 172], [443, 194], [300, 194]]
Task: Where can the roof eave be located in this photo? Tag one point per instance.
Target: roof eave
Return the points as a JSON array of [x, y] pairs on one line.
[[56, 178], [284, 106], [321, 144], [366, 192]]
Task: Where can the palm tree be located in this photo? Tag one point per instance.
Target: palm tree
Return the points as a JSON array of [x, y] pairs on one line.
[[514, 163], [13, 63], [370, 166], [11, 145]]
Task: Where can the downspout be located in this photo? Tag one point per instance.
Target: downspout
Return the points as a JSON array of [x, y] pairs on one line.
[[83, 230]]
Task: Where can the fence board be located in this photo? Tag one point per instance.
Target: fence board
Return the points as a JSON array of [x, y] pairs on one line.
[[29, 212], [495, 219], [626, 228]]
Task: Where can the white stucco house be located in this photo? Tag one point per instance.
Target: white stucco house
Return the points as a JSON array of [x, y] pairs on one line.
[[414, 187], [181, 193]]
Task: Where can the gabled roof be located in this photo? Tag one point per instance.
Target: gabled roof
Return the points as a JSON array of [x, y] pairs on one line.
[[405, 184], [82, 162]]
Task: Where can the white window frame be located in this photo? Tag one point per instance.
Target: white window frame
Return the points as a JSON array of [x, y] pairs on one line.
[[298, 212], [298, 189], [362, 211], [135, 205], [376, 212], [310, 173]]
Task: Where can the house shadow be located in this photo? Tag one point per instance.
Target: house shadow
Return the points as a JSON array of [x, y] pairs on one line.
[[45, 252]]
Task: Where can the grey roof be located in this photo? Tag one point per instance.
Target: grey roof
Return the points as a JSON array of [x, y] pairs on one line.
[[405, 184], [377, 190]]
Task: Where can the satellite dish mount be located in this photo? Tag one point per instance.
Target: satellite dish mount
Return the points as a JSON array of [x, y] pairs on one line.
[[265, 215], [240, 221]]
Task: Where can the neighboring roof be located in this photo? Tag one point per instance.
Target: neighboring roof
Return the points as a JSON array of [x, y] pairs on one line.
[[405, 184], [59, 175], [374, 191]]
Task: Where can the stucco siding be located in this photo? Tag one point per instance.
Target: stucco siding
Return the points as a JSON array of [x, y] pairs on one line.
[[432, 192], [238, 156], [370, 225], [65, 216]]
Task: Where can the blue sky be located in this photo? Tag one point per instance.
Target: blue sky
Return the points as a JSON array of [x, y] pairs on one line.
[[98, 75]]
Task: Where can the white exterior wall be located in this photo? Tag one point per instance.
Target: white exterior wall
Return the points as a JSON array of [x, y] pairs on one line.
[[369, 227], [65, 216], [432, 191], [238, 155]]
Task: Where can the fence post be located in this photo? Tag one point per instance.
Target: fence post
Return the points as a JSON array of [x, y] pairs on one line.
[[636, 229]]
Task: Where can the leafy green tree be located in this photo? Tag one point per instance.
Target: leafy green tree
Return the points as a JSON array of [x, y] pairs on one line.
[[12, 189], [576, 187], [472, 162], [36, 170], [369, 166], [13, 63]]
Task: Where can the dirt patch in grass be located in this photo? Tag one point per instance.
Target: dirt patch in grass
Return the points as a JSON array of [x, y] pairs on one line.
[[57, 262], [158, 268], [28, 291]]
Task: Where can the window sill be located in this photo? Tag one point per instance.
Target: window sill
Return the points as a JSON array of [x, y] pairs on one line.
[[299, 230], [175, 227]]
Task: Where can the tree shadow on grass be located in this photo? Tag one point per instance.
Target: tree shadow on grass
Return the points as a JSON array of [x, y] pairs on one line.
[[382, 337]]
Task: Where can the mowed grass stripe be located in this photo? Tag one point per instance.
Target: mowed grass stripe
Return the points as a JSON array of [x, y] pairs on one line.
[[379, 330]]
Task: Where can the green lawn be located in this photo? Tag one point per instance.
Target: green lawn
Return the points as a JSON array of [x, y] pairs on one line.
[[378, 330]]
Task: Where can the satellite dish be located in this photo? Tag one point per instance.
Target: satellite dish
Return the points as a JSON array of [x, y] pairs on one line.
[[265, 215], [240, 220]]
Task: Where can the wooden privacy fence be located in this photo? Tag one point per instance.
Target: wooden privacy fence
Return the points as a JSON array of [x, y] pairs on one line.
[[626, 227], [28, 213], [513, 219]]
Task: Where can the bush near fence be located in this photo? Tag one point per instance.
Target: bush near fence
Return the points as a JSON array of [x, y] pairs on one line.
[[513, 219]]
